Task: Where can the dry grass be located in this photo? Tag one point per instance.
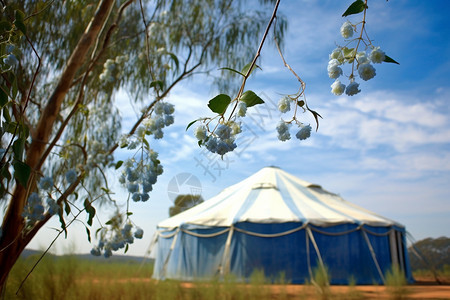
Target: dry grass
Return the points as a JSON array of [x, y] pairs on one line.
[[69, 278]]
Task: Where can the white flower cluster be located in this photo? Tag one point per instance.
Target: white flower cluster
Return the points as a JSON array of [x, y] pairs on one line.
[[163, 117], [10, 60], [362, 60], [283, 131], [150, 126], [116, 239], [98, 155], [111, 68], [35, 209], [284, 134], [284, 105], [140, 176], [71, 176], [222, 140]]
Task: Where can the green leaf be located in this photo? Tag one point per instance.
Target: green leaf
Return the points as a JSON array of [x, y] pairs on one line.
[[157, 83], [247, 66], [316, 115], [88, 232], [91, 213], [19, 15], [5, 26], [355, 8], [90, 210], [175, 59], [22, 172], [126, 248], [348, 53], [109, 222], [97, 231], [144, 140], [25, 131], [21, 26], [6, 114], [18, 22], [119, 164], [192, 123], [233, 70], [63, 224], [301, 103], [66, 207], [390, 60], [251, 99], [15, 88], [219, 103], [19, 148], [4, 171], [129, 213], [3, 98]]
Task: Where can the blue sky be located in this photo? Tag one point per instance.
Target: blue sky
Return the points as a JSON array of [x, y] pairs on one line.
[[386, 149]]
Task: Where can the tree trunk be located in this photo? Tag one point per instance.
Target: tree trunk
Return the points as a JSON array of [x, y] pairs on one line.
[[14, 239]]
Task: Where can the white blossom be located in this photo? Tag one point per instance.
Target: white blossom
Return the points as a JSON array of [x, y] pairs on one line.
[[377, 56], [46, 183], [337, 88], [337, 54], [283, 131], [223, 132], [366, 71], [347, 30], [304, 132], [284, 105], [200, 132], [235, 128], [334, 71], [352, 89], [71, 176], [242, 109], [361, 58]]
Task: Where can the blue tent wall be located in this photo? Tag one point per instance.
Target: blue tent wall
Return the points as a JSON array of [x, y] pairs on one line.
[[198, 252]]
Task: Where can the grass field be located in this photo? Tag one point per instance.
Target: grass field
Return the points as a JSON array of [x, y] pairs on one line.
[[69, 277]]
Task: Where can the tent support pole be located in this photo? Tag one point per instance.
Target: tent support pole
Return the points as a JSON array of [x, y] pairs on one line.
[[224, 269], [166, 261], [150, 249], [319, 256], [394, 248], [401, 250], [372, 252], [308, 260]]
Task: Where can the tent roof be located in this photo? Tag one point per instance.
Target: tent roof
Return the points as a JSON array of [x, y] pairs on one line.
[[274, 196]]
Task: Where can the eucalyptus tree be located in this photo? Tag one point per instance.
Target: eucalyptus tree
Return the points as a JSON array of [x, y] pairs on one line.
[[63, 63], [184, 202]]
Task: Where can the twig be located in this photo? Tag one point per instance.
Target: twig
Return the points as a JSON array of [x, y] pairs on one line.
[[363, 22], [258, 53], [46, 251]]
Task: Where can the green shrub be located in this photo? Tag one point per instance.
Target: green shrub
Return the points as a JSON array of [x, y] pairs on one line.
[[395, 282]]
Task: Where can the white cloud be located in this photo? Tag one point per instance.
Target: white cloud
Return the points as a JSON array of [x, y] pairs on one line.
[[383, 119]]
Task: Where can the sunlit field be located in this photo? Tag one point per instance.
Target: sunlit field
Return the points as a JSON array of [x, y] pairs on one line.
[[69, 277]]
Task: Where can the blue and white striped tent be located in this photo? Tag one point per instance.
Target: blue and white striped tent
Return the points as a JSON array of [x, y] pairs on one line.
[[275, 222]]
